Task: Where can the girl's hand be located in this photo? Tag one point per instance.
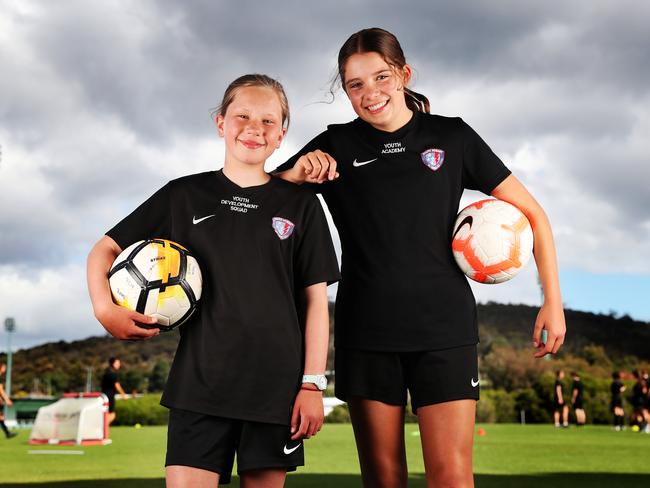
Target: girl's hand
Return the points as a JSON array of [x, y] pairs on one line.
[[314, 167], [121, 323], [551, 319], [307, 417]]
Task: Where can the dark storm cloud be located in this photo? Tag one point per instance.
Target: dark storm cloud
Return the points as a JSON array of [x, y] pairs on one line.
[[101, 102]]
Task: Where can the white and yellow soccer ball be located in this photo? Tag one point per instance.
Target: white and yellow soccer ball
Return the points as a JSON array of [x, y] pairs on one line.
[[157, 277], [492, 241]]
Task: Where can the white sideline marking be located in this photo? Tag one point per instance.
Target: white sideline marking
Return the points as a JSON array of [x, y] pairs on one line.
[[51, 451]]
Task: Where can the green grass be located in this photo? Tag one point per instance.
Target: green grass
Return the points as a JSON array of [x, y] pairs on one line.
[[507, 456]]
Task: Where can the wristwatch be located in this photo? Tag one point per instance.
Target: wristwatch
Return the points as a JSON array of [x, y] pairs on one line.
[[317, 379]]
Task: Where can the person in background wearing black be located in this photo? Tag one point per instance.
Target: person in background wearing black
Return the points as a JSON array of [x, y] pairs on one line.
[[4, 400], [617, 389], [639, 393], [577, 399], [111, 386], [560, 408]]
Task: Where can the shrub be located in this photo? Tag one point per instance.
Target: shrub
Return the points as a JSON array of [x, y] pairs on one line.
[[339, 415], [145, 410]]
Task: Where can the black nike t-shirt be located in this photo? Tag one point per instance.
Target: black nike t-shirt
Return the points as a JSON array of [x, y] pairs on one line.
[[108, 382], [394, 206], [241, 354], [556, 397], [579, 387]]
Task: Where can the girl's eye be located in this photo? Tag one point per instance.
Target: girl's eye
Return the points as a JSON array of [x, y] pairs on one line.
[[354, 86], [382, 77], [269, 122], [242, 116]]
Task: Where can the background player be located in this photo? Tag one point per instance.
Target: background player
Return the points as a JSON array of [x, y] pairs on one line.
[[4, 400], [577, 399], [111, 386], [617, 388], [560, 408], [639, 392], [405, 314], [236, 383]]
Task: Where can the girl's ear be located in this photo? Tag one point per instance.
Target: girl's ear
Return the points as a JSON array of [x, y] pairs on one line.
[[220, 122], [407, 73], [280, 137]]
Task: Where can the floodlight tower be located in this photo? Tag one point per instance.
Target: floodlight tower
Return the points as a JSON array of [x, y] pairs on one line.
[[10, 327]]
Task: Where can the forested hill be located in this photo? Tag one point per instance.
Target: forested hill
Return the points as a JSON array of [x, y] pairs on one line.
[[619, 336], [64, 366]]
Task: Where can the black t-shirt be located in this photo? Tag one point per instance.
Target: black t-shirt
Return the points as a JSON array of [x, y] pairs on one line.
[[577, 385], [616, 389], [241, 354], [394, 206], [108, 382], [637, 395], [556, 397]]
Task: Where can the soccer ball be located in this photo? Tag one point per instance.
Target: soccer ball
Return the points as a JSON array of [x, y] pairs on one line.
[[492, 241], [157, 277]]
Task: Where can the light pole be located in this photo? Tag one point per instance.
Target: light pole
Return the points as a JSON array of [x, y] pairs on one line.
[[10, 327]]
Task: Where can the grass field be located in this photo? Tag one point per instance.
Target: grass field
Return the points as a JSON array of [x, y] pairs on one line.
[[507, 456]]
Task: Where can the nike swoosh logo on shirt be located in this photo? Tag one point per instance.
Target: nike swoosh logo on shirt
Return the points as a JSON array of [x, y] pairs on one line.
[[475, 384], [289, 451], [361, 163], [196, 221]]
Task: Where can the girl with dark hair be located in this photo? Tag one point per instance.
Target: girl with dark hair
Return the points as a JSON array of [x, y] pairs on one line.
[[405, 314]]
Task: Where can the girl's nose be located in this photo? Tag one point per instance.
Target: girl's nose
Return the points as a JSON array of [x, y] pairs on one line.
[[253, 126]]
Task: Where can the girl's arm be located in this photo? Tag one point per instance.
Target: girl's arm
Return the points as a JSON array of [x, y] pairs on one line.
[[313, 167], [118, 321], [307, 416], [551, 314], [558, 392]]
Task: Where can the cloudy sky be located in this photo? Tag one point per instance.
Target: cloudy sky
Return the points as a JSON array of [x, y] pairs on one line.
[[102, 102]]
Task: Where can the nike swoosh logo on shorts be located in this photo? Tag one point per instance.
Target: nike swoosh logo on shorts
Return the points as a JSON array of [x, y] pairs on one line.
[[356, 165], [475, 384], [196, 221], [289, 451]]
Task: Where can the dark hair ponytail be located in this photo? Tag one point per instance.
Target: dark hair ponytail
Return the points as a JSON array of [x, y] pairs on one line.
[[416, 101], [382, 42]]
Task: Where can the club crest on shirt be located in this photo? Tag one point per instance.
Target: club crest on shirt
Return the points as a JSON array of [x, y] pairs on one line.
[[433, 158], [283, 227]]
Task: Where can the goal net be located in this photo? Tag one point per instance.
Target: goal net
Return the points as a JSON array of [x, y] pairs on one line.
[[77, 418]]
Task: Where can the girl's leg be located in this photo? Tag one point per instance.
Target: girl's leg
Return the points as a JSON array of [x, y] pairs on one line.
[[379, 433], [263, 478], [447, 434], [188, 477]]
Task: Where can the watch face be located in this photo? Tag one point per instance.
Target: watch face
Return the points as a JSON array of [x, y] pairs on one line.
[[322, 383]]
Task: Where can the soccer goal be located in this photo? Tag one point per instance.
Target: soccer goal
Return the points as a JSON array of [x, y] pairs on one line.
[[77, 418]]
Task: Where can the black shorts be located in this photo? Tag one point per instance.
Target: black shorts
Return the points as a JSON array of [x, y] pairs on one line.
[[111, 403], [207, 442], [429, 376], [578, 404]]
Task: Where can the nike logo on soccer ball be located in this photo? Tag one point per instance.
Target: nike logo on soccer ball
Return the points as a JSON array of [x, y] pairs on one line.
[[196, 221], [475, 383], [289, 451], [356, 165]]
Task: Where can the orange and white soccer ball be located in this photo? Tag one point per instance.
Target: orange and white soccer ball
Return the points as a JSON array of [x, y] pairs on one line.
[[492, 241], [157, 277]]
